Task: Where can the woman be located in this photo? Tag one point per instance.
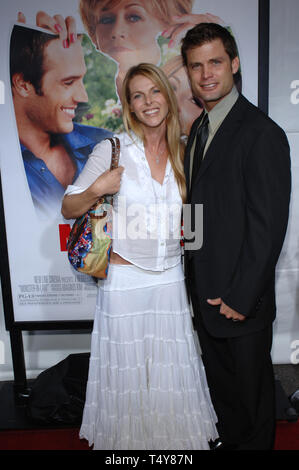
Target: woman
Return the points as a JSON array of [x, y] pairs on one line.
[[147, 387]]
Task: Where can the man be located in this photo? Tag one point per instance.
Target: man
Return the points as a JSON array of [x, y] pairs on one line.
[[47, 86], [242, 178]]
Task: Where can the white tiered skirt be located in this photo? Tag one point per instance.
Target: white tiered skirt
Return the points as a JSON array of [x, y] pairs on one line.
[[147, 387]]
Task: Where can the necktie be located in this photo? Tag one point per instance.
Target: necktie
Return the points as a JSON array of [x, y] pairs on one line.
[[201, 140]]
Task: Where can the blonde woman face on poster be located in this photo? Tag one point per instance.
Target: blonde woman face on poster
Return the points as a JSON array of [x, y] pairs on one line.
[[127, 33]]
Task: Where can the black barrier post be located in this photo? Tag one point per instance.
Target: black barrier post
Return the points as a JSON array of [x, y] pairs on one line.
[[18, 359]]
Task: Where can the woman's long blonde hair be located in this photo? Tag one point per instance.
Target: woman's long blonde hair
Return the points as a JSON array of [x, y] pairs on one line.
[[173, 132]]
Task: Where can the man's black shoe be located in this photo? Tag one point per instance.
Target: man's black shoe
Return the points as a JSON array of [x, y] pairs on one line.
[[219, 445]]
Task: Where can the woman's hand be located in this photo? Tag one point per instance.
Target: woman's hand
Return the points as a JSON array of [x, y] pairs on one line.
[[75, 205], [21, 17], [65, 28], [181, 24], [108, 182]]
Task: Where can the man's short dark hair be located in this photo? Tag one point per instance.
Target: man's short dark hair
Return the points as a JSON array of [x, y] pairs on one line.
[[207, 32], [27, 54]]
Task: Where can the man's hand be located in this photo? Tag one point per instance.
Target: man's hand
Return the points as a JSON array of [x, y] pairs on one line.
[[225, 310]]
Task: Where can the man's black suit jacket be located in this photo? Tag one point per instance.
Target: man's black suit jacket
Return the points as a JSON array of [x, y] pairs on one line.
[[244, 185]]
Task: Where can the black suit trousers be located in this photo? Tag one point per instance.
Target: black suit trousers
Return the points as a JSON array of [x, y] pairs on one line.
[[240, 377]]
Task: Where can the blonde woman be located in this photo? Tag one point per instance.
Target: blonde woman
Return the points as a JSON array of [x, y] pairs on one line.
[[147, 387]]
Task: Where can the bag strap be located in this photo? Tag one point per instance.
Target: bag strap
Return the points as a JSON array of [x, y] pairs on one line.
[[114, 161], [115, 152], [114, 164]]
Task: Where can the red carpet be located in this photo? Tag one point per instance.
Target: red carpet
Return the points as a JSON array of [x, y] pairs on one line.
[[287, 438], [42, 439]]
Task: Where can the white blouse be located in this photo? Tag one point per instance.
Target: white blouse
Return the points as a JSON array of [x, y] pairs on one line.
[[146, 214]]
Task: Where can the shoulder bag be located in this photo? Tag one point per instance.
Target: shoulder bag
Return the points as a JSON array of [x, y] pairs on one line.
[[90, 240]]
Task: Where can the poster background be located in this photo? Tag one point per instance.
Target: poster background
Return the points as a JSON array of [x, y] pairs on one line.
[[44, 349], [45, 288]]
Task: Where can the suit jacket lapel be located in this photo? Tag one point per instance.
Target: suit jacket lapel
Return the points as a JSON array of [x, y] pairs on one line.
[[223, 137]]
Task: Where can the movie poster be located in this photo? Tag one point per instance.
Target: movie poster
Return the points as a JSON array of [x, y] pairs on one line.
[[59, 98]]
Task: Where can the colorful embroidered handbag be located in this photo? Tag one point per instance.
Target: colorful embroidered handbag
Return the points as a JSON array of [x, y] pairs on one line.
[[90, 240]]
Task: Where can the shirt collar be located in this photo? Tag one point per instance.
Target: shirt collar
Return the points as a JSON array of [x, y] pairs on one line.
[[221, 110], [75, 140], [132, 139]]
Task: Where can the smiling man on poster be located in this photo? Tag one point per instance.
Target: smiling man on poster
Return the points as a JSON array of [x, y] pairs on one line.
[[47, 86]]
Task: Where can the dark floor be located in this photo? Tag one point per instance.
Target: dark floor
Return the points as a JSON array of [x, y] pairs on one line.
[[15, 414], [288, 375], [14, 411], [287, 385]]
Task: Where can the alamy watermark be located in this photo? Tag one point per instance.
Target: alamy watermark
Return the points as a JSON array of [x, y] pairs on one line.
[[294, 98], [295, 354], [158, 221]]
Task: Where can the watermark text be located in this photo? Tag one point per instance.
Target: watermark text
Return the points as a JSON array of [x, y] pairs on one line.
[[294, 98], [161, 221], [295, 354]]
